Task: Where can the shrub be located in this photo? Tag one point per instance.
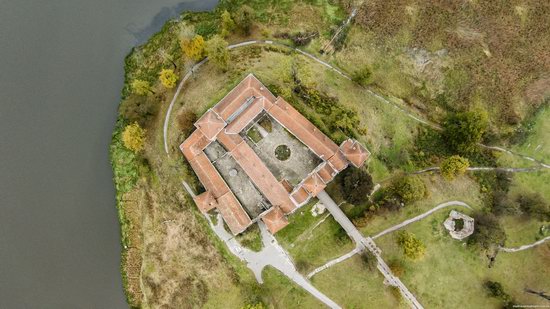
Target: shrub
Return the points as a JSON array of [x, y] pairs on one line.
[[454, 166], [186, 120], [495, 289], [533, 204], [412, 247], [216, 49], [396, 268], [356, 185], [193, 48], [362, 76], [369, 259], [227, 24], [133, 137], [141, 87], [168, 78], [462, 131], [487, 232], [409, 189], [244, 18]]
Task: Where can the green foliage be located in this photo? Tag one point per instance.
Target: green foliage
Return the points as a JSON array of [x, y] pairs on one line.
[[227, 24], [133, 137], [396, 267], [194, 48], [362, 76], [463, 131], [251, 238], [168, 78], [454, 166], [409, 189], [533, 204], [124, 162], [356, 185], [141, 87], [335, 116], [487, 232], [254, 306], [139, 109], [496, 290], [216, 49], [244, 17], [282, 152], [186, 120], [412, 247], [369, 259]]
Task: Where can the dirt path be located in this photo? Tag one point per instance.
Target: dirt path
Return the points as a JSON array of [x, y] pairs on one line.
[[524, 247], [483, 168], [421, 216], [333, 262]]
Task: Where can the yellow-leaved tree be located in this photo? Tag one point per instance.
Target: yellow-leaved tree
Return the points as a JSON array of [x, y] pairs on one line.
[[141, 87], [228, 25], [133, 137], [168, 78], [193, 48]]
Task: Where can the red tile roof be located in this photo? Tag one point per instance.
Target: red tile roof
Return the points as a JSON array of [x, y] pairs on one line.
[[304, 130], [354, 152], [210, 124], [313, 184], [234, 108], [232, 212], [205, 201], [300, 195], [275, 220]]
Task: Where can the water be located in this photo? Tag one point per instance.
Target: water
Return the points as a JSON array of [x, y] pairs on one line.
[[61, 71]]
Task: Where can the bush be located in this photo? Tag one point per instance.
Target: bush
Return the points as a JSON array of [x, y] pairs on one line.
[[412, 247], [462, 131], [216, 49], [168, 78], [495, 289], [409, 189], [487, 232], [454, 166], [186, 120], [133, 137], [356, 185], [396, 268], [362, 76], [244, 18], [533, 204], [369, 259]]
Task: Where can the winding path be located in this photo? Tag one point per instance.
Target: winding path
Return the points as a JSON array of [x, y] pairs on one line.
[[524, 247], [421, 216], [485, 168]]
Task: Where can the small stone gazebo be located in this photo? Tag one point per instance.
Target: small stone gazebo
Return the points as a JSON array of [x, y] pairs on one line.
[[459, 225]]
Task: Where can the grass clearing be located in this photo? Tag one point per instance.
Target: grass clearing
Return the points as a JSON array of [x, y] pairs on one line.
[[451, 273]]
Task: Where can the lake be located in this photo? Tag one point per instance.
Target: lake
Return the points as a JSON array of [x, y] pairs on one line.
[[61, 72]]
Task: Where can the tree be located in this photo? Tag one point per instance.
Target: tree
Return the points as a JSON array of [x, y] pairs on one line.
[[487, 232], [412, 247], [133, 137], [362, 76], [495, 289], [369, 259], [141, 87], [186, 120], [168, 78], [463, 131], [534, 204], [397, 268], [244, 18], [409, 189], [356, 185], [216, 49], [227, 23], [193, 48], [454, 166]]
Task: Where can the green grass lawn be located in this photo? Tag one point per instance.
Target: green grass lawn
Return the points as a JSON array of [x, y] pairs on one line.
[[310, 246], [462, 188], [352, 285], [451, 274]]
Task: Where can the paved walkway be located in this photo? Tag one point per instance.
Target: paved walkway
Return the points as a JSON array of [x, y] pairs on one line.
[[333, 262], [421, 216], [367, 243], [524, 247], [272, 254]]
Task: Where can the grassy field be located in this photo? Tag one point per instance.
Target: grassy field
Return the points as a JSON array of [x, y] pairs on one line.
[[451, 274]]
